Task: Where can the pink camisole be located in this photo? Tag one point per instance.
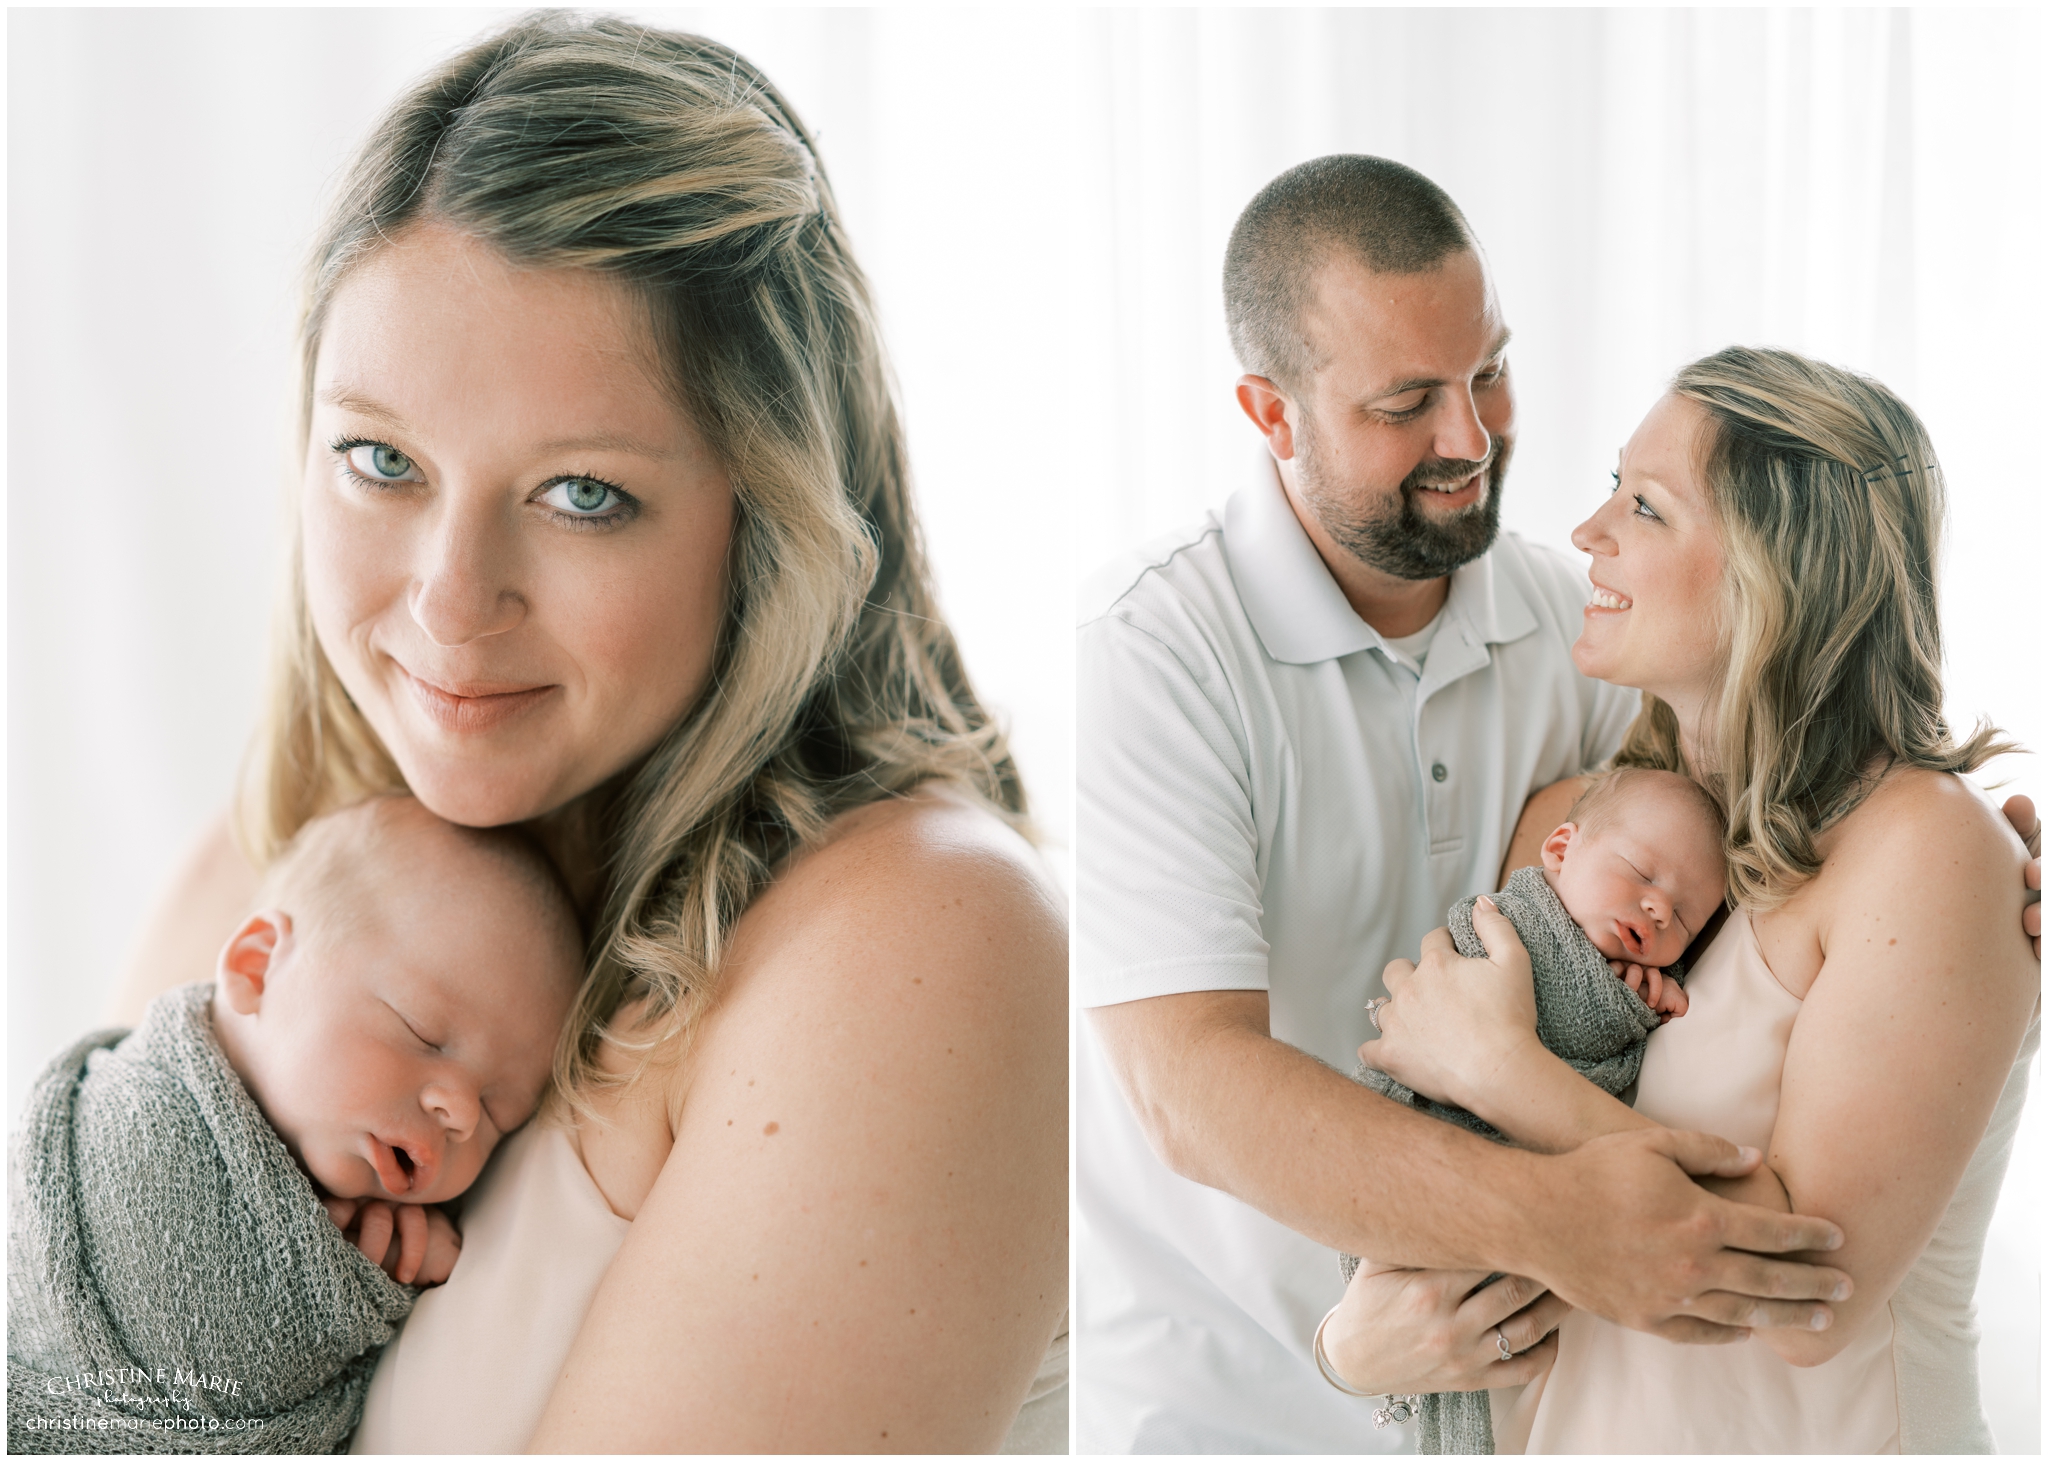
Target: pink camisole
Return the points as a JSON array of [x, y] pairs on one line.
[[1908, 1382]]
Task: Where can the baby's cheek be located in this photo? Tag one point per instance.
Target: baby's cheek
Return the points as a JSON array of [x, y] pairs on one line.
[[342, 1174]]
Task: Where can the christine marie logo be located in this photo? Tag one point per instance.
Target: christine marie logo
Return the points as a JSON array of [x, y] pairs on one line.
[[122, 1377]]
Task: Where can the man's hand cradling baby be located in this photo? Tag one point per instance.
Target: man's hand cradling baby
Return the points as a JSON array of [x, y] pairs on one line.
[[411, 1242], [1451, 1022], [1666, 997]]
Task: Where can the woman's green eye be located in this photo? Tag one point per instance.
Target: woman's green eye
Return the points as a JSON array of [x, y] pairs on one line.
[[581, 497], [380, 463]]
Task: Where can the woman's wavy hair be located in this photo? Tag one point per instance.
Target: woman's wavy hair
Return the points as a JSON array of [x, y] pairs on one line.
[[1830, 505], [670, 163]]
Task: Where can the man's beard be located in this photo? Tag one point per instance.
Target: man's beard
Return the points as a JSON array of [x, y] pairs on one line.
[[1397, 537]]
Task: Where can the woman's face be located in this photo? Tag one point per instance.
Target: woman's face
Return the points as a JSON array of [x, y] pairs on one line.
[[1655, 618], [514, 538]]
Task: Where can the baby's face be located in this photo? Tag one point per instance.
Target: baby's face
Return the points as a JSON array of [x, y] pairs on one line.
[[392, 1056], [1644, 880]]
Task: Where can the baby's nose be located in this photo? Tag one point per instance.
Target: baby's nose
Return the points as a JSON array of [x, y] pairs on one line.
[[454, 1106]]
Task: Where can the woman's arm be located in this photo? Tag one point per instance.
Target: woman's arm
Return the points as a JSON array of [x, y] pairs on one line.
[[1922, 994], [1918, 991], [181, 938], [858, 1241], [1541, 814]]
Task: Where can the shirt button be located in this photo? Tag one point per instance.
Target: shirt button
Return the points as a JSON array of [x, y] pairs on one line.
[[1437, 772]]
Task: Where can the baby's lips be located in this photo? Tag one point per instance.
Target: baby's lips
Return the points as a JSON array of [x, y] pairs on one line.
[[385, 1161], [392, 1173]]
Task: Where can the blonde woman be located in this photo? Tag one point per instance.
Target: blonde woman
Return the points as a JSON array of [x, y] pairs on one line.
[[1765, 573], [605, 531]]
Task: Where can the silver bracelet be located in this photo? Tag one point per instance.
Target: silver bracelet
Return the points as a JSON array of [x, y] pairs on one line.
[[1393, 1409]]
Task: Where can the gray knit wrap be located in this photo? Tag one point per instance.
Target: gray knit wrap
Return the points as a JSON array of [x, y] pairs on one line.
[[1584, 1015], [173, 1284]]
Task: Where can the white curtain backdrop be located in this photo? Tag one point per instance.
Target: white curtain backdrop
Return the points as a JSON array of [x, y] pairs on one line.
[[1649, 185], [1042, 198]]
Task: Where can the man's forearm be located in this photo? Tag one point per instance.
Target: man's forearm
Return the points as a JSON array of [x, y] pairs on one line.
[[1235, 1109]]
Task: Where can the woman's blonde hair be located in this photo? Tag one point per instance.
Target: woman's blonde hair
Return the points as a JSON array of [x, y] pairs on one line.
[[670, 163], [1830, 506]]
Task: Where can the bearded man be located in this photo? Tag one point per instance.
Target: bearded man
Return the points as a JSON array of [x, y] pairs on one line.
[[1306, 730]]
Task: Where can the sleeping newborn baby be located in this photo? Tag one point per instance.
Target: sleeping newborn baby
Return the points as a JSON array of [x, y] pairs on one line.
[[179, 1278], [1627, 881]]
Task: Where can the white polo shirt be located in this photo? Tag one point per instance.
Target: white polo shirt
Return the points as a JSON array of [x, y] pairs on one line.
[[1270, 798]]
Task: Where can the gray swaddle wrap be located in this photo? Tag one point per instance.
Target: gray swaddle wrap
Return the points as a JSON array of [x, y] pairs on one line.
[[1584, 1015], [173, 1283]]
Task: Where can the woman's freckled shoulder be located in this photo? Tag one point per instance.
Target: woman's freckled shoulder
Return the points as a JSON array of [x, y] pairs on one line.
[[1917, 820], [934, 879], [924, 851]]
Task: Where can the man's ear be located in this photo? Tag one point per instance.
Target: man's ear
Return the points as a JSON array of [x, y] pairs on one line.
[[251, 953], [1554, 845], [1266, 405]]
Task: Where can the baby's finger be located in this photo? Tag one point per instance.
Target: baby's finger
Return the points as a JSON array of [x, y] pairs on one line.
[[412, 1242], [1634, 978], [373, 1231], [1656, 978], [341, 1210]]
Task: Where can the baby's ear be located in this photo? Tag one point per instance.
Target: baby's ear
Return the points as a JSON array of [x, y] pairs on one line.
[[252, 951], [1554, 845]]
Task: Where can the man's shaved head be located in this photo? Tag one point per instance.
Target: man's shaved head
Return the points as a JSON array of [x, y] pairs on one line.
[[1390, 217]]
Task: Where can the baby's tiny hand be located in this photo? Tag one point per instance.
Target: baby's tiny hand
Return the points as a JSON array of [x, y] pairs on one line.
[[1666, 997], [411, 1243]]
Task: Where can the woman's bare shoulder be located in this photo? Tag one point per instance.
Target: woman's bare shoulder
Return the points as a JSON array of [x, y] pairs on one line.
[[921, 919], [1925, 853], [205, 896], [937, 865], [1932, 820]]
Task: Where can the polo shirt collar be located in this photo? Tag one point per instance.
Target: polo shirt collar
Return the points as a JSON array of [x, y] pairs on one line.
[[1300, 613]]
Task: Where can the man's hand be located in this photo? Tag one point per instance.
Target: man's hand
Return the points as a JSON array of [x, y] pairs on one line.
[[2019, 811], [412, 1243], [1633, 1238], [1413, 1330]]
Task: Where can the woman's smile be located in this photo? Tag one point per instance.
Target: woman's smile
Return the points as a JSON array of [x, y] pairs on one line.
[[469, 707], [1607, 601]]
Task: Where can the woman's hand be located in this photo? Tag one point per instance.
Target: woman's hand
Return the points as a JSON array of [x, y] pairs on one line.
[[1451, 1023], [1402, 1331]]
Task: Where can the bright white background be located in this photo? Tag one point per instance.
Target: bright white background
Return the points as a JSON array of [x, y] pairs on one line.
[[1042, 199]]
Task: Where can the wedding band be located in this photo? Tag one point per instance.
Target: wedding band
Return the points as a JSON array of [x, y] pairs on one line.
[[1507, 1352], [1372, 1010]]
